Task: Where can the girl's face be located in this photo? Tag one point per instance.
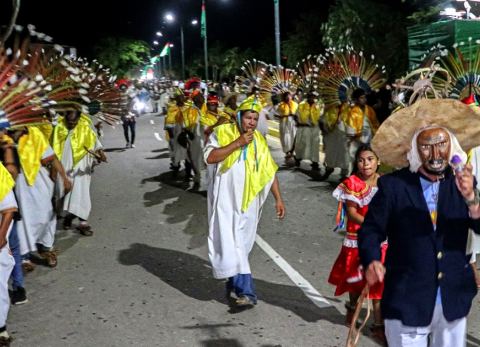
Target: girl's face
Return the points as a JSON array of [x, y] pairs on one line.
[[249, 120], [367, 164]]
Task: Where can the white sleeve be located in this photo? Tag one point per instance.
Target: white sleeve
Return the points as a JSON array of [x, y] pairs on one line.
[[48, 153], [98, 145], [211, 144], [8, 202]]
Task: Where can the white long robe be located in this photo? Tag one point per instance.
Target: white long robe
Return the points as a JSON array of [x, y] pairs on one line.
[[473, 245], [179, 152], [39, 222], [288, 131], [78, 200], [337, 149], [307, 143], [231, 232], [6, 261], [196, 149]]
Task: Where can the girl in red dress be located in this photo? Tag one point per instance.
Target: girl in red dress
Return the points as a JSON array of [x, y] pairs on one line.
[[354, 194]]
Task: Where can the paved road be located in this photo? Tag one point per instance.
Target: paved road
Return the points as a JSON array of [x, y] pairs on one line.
[[144, 279]]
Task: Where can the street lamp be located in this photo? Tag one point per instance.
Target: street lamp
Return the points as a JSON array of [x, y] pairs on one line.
[[155, 42], [170, 57], [276, 9], [170, 18], [159, 34]]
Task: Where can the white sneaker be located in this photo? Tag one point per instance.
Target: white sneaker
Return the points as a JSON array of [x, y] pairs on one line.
[[133, 146]]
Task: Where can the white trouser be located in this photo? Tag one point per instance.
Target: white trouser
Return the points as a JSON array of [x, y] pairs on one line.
[[6, 266], [442, 332]]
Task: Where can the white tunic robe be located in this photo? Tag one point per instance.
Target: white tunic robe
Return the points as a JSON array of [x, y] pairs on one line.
[[231, 232], [6, 261], [196, 149], [288, 131], [473, 245], [78, 201], [39, 222], [307, 143]]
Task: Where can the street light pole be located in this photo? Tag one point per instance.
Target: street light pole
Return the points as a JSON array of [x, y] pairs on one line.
[[183, 52], [277, 31], [204, 35]]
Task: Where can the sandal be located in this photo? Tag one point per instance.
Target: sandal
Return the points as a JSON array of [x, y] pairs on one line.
[[50, 257], [27, 266], [85, 229]]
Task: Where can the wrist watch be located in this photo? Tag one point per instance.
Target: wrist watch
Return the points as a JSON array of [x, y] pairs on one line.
[[475, 200]]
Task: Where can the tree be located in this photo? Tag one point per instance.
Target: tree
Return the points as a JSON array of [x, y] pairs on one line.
[[305, 40], [378, 27], [121, 54]]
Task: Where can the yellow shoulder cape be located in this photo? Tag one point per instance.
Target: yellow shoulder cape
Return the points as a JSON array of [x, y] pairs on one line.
[[83, 137], [31, 147], [6, 182], [285, 109], [354, 119], [260, 168]]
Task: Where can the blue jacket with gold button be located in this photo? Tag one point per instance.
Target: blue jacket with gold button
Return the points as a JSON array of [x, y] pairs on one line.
[[420, 258]]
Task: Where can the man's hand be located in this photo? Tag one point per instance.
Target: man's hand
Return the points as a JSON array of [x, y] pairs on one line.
[[464, 181], [375, 273], [67, 185], [3, 242], [245, 138], [101, 156], [280, 208]]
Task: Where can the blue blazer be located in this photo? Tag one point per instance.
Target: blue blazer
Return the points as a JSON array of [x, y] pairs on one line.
[[420, 259]]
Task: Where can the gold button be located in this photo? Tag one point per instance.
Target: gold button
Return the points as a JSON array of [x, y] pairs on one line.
[[440, 275], [439, 255]]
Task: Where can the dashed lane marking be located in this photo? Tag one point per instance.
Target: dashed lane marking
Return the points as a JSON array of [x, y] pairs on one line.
[[157, 136], [318, 299], [152, 122]]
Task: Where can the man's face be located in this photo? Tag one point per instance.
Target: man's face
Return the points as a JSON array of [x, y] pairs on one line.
[[434, 150], [249, 120], [71, 119], [362, 100], [212, 106], [198, 100]]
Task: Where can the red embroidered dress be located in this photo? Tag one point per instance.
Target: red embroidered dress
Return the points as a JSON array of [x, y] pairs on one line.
[[347, 272]]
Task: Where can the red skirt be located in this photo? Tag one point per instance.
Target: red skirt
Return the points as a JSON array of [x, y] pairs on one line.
[[348, 276]]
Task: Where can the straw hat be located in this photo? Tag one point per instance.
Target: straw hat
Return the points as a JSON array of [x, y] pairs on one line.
[[393, 138]]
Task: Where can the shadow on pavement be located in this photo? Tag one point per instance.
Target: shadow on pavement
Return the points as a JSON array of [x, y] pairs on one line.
[[221, 343], [182, 205], [192, 276], [115, 149], [161, 150], [160, 156]]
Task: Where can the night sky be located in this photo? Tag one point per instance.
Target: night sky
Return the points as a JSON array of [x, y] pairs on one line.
[[244, 23]]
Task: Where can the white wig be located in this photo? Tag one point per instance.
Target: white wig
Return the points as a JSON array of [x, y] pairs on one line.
[[413, 156]]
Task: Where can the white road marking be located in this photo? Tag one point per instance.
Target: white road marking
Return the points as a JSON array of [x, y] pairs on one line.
[[157, 136], [152, 122], [311, 293]]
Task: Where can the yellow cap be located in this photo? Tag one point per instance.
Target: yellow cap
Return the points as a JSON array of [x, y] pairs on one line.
[[252, 103]]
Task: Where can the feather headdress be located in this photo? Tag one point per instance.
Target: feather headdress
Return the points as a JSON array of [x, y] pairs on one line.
[[342, 71]]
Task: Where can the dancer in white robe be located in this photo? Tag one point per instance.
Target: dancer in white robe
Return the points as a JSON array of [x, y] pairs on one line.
[[78, 146], [307, 141], [286, 110], [241, 172], [34, 191]]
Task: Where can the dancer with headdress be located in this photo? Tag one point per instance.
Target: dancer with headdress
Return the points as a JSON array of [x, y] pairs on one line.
[[242, 173]]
